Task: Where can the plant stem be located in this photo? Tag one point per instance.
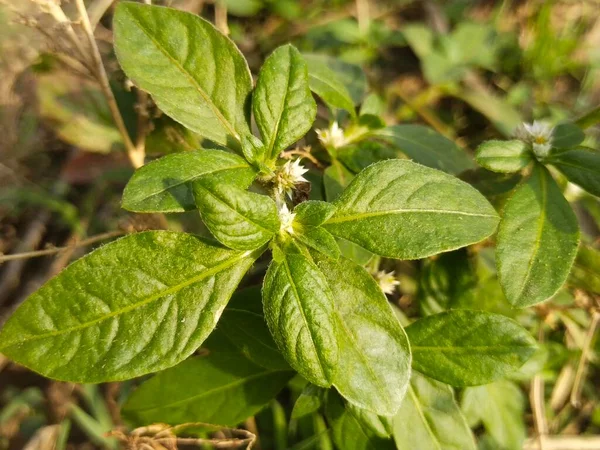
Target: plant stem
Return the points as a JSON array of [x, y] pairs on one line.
[[221, 17], [136, 154], [579, 376]]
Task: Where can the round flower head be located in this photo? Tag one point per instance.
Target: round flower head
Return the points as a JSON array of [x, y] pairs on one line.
[[538, 134], [333, 137], [288, 176], [387, 281], [286, 218]]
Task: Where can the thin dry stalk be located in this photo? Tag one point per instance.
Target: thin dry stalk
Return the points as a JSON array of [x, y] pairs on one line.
[[585, 353]]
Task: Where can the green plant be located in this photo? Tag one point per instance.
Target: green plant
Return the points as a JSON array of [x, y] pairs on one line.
[[148, 301]]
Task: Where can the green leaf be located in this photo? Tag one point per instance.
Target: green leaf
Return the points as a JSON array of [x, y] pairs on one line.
[[364, 153], [500, 406], [326, 84], [352, 76], [586, 270], [137, 305], [537, 241], [318, 239], [195, 74], [164, 185], [426, 147], [381, 426], [243, 324], [430, 419], [348, 431], [253, 149], [374, 363], [581, 165], [237, 218], [567, 135], [309, 401], [283, 106], [466, 348], [221, 388], [313, 212], [504, 156], [299, 310], [403, 210]]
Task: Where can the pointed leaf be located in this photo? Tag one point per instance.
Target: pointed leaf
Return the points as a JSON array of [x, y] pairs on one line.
[[567, 135], [137, 305], [313, 212], [374, 366], [466, 348], [430, 419], [504, 156], [426, 147], [299, 310], [537, 241], [164, 185], [195, 74], [581, 165], [221, 388], [403, 210], [237, 218], [318, 239], [309, 401], [326, 84], [283, 106]]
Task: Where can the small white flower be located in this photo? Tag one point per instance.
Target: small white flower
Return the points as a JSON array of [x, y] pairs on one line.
[[286, 218], [333, 137], [288, 176], [387, 281], [538, 134]]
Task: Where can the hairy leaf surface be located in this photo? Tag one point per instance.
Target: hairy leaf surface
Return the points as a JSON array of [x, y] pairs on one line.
[[137, 305], [283, 106], [299, 310], [374, 366], [164, 185], [466, 348], [537, 241], [403, 210], [430, 419], [195, 74]]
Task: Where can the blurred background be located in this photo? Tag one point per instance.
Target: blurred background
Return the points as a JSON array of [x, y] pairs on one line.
[[471, 70]]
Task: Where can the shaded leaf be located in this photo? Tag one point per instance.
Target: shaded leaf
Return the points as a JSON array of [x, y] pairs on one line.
[[567, 135], [581, 165], [326, 84], [309, 401]]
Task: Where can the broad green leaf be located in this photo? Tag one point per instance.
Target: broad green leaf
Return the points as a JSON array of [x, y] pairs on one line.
[[581, 165], [586, 270], [283, 106], [399, 209], [374, 355], [430, 419], [567, 135], [354, 252], [318, 239], [299, 310], [335, 179], [313, 212], [243, 324], [309, 401], [137, 305], [381, 426], [348, 431], [537, 241], [326, 84], [195, 74], [504, 156], [466, 348], [164, 185], [500, 406], [426, 147], [237, 218], [221, 388]]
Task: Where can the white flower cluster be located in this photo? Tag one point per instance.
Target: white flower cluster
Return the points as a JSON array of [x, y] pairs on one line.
[[286, 218], [387, 281], [332, 137], [538, 134], [287, 177]]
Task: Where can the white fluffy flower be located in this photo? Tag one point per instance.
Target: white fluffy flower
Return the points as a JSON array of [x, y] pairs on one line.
[[538, 134], [288, 176], [387, 281], [286, 218], [332, 137]]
